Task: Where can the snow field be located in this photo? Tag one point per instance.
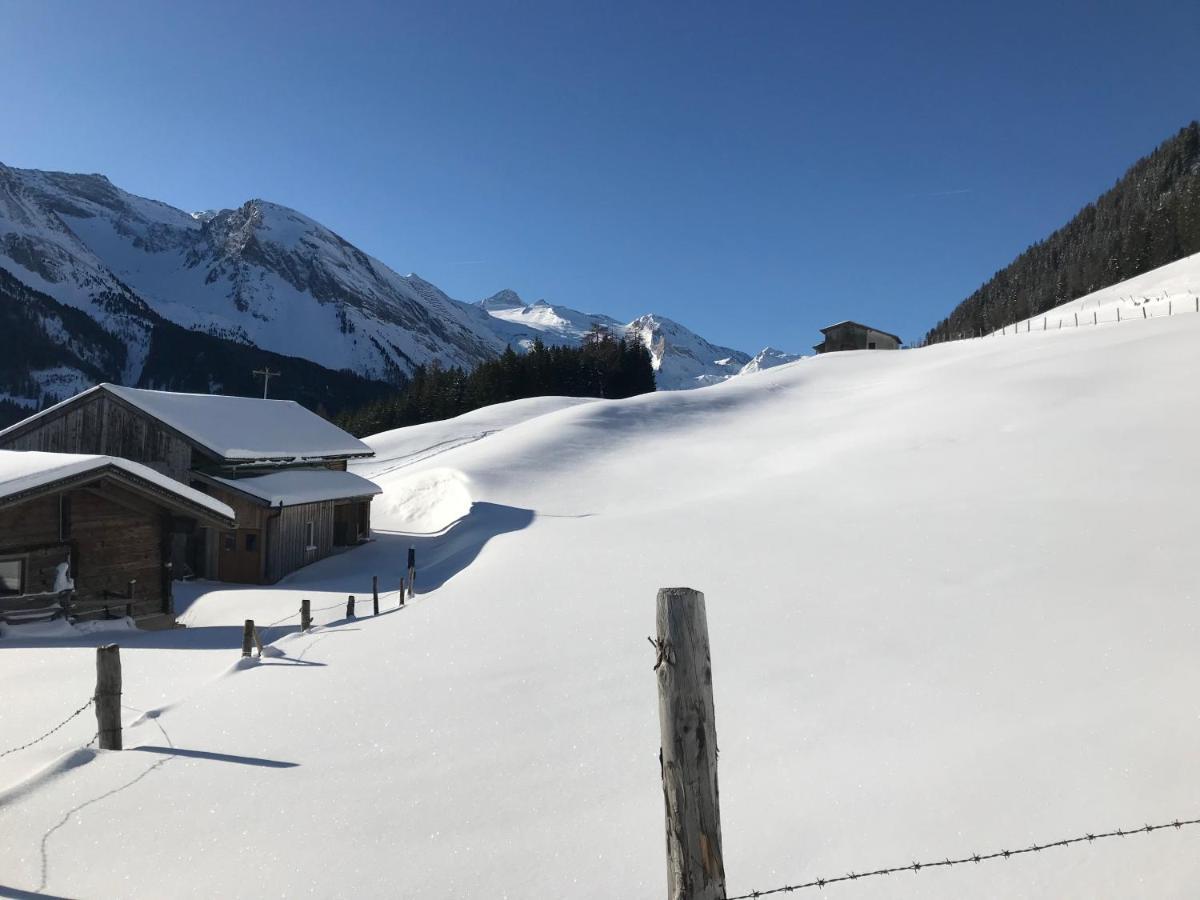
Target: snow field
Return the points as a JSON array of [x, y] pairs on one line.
[[951, 600]]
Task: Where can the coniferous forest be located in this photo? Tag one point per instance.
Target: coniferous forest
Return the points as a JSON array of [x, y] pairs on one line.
[[1149, 218], [604, 366]]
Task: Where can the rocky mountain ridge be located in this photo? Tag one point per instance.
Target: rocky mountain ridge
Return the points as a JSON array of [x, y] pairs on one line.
[[268, 277]]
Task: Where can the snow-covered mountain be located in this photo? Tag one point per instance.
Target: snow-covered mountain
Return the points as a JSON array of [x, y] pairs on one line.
[[269, 277], [682, 359], [768, 358]]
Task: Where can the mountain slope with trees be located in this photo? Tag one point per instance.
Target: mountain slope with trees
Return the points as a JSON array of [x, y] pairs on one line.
[[1149, 218]]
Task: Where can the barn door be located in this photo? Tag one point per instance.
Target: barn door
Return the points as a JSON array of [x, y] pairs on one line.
[[240, 558]]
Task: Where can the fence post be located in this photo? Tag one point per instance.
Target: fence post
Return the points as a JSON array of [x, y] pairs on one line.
[[1076, 320], [688, 754], [247, 638], [350, 607], [108, 696], [412, 571], [1118, 314], [1144, 316], [1095, 321], [401, 590], [375, 593], [305, 614]]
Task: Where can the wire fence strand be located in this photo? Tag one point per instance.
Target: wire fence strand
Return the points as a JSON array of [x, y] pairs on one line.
[[973, 858], [36, 740]]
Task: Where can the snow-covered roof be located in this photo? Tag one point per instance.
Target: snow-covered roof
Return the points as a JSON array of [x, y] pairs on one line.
[[22, 471], [234, 428], [288, 487]]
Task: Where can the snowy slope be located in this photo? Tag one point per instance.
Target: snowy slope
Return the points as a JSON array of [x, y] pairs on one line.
[[951, 593], [261, 274], [1172, 289]]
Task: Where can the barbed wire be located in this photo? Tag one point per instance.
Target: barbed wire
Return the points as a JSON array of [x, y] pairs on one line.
[[973, 858], [90, 701]]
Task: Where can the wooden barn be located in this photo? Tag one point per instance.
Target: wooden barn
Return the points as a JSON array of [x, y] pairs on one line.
[[855, 336], [281, 468], [92, 535]]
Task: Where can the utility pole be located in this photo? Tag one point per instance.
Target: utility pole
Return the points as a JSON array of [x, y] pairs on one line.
[[266, 374]]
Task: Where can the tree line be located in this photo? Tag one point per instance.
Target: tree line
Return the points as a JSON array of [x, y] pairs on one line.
[[603, 366], [1149, 218]]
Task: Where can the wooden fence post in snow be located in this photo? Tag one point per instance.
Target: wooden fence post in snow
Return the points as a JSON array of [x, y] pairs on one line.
[[305, 614], [1144, 316], [247, 638], [401, 590], [1094, 320], [375, 593], [688, 754], [1076, 320], [412, 571], [108, 696], [350, 607]]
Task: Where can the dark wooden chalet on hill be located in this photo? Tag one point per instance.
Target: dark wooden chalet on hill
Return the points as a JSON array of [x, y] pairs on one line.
[[856, 336], [91, 535], [281, 468]]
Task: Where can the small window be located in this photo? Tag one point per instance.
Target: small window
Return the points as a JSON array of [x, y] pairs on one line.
[[12, 577], [251, 541], [310, 541], [229, 541]]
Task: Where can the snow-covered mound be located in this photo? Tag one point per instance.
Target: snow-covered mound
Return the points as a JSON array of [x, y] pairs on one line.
[[951, 593]]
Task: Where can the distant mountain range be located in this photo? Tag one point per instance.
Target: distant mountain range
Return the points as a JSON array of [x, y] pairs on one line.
[[189, 300]]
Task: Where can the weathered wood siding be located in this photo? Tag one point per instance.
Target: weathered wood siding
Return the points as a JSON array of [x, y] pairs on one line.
[[287, 545], [103, 425], [30, 530], [113, 543], [112, 539]]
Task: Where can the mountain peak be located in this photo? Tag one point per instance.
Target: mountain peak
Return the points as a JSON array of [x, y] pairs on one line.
[[503, 299]]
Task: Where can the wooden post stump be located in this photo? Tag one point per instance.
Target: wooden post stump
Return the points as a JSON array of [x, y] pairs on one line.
[[375, 593], [412, 571], [305, 614], [688, 755], [247, 638], [401, 591], [350, 607], [108, 696]]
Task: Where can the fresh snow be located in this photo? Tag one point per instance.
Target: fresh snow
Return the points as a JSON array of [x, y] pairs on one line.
[[952, 605], [288, 487], [24, 470], [238, 428]]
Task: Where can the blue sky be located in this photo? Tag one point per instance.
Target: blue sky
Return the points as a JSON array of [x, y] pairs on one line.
[[752, 170]]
